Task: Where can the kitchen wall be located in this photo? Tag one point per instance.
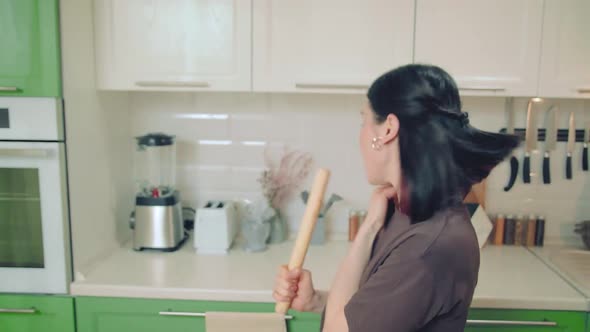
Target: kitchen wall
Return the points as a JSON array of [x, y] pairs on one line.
[[98, 144], [222, 137]]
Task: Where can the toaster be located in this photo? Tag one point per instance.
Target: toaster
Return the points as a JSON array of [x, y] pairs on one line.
[[215, 227]]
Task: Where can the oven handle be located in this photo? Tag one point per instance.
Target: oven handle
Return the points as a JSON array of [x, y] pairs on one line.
[[26, 153]]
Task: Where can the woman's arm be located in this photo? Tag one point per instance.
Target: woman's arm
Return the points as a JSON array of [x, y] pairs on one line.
[[351, 269], [318, 302], [347, 279]]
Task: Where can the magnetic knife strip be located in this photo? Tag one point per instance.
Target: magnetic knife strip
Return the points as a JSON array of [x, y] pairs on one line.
[[561, 134]]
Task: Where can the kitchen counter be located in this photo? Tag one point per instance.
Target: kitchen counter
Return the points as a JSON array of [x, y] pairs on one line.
[[571, 262], [510, 277]]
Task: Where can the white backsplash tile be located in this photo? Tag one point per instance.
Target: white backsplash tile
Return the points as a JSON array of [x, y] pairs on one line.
[[222, 138]]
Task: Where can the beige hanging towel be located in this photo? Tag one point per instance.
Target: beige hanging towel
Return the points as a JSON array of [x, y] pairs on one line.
[[244, 322]]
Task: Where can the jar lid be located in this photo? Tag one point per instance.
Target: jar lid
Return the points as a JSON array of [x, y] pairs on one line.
[[155, 139]]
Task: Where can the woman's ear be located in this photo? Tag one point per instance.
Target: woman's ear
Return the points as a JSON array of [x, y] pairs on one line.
[[391, 126]]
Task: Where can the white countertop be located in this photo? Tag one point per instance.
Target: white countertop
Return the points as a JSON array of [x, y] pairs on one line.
[[571, 262], [509, 277]]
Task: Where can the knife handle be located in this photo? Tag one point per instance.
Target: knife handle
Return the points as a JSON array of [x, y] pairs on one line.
[[568, 166], [513, 173], [585, 157], [546, 169], [526, 169]]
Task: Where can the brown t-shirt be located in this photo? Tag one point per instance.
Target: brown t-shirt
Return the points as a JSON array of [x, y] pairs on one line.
[[420, 277]]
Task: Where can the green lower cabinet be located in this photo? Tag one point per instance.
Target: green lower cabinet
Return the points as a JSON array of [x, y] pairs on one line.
[[30, 313], [97, 314], [508, 320], [588, 323]]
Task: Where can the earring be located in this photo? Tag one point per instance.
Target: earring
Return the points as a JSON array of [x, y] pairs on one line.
[[376, 144]]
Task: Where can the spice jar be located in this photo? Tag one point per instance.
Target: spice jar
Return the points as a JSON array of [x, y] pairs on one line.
[[509, 230], [499, 233], [353, 224], [530, 236], [518, 230]]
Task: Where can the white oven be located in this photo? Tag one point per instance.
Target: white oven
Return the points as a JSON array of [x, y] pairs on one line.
[[34, 230]]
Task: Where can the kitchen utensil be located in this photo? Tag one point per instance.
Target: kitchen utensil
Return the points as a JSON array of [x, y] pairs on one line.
[[531, 141], [333, 199], [550, 142], [583, 228], [156, 221], [571, 142], [510, 130], [306, 228], [215, 228], [585, 149]]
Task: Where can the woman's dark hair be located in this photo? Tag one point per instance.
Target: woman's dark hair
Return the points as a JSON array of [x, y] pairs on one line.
[[442, 155]]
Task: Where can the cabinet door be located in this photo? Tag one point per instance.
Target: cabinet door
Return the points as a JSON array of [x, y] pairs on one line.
[[173, 45], [487, 320], [490, 47], [20, 313], [29, 56], [329, 45], [565, 58], [143, 315]]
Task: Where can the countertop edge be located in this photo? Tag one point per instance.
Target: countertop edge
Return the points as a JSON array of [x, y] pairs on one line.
[[581, 305], [81, 289]]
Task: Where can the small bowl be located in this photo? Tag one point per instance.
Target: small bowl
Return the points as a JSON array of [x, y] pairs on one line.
[[583, 228]]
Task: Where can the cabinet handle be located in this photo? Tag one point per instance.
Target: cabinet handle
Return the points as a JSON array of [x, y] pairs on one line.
[[9, 89], [31, 311], [195, 314], [583, 90], [172, 84], [330, 86], [508, 323], [37, 153], [482, 88]]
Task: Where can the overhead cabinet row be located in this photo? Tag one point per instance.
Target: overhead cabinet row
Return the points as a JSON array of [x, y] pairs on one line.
[[491, 47]]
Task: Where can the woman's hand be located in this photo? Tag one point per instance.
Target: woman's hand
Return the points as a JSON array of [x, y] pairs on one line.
[[296, 287], [378, 208]]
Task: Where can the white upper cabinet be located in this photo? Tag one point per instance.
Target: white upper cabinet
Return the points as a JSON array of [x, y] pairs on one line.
[[490, 47], [565, 59], [329, 45], [173, 45]]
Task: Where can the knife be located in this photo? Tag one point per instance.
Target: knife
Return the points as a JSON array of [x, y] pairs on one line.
[[531, 142], [571, 142], [510, 130], [585, 150], [550, 142]]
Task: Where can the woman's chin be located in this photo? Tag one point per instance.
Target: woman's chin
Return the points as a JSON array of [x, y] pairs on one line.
[[376, 182]]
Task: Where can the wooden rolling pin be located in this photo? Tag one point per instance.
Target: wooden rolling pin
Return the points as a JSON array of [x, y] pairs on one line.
[[312, 211]]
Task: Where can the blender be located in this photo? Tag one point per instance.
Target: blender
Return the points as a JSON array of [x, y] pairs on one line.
[[156, 221]]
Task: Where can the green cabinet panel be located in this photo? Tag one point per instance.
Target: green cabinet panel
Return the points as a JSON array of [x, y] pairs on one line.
[[570, 321], [29, 43], [30, 313], [97, 314], [588, 323]]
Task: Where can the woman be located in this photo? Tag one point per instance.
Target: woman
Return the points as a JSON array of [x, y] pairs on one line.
[[414, 263]]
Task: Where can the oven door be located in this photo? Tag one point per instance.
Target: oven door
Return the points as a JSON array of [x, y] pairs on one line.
[[34, 245]]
